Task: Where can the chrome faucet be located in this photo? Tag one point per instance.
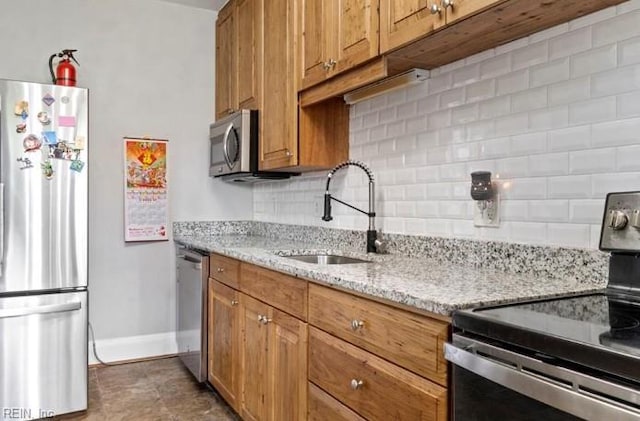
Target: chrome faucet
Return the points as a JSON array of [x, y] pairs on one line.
[[373, 244]]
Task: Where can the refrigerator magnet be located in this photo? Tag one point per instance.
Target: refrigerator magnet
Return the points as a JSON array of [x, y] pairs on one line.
[[48, 99], [21, 109], [25, 163], [31, 143], [65, 100], [63, 151], [77, 165], [21, 127], [47, 169], [79, 142], [66, 121], [50, 137], [43, 117]]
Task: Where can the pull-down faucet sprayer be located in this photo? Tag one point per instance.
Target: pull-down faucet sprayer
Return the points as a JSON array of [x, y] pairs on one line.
[[373, 244]]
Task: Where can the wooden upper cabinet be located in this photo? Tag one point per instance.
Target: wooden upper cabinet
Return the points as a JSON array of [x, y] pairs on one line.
[[279, 111], [458, 9], [404, 21], [238, 57], [249, 41], [336, 35], [226, 97]]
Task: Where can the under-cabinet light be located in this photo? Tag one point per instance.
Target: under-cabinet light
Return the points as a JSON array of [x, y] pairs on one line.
[[410, 77]]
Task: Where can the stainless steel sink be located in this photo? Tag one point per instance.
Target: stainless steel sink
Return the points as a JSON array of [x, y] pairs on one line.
[[327, 259]]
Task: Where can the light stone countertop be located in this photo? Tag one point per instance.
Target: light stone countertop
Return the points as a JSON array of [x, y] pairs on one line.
[[421, 283]]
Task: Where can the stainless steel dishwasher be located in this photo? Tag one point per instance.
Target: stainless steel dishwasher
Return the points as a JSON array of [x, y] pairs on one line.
[[192, 268]]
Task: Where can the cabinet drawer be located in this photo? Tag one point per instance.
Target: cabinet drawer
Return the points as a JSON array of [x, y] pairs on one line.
[[225, 270], [323, 407], [412, 341], [371, 386], [283, 292]]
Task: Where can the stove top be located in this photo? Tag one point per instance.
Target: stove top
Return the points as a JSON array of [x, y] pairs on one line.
[[599, 331]]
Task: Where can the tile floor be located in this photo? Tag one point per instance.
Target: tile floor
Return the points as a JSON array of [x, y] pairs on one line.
[[151, 390]]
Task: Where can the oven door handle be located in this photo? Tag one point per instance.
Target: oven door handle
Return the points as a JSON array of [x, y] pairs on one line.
[[553, 393]]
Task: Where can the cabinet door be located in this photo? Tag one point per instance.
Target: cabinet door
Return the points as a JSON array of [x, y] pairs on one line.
[[279, 113], [253, 354], [225, 62], [224, 341], [287, 367], [355, 23], [249, 48], [403, 21], [464, 8], [315, 43]]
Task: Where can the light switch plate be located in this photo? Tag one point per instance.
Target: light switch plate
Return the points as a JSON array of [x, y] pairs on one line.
[[490, 216]]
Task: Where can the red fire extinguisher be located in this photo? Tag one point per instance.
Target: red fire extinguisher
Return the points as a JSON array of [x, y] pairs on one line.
[[65, 74]]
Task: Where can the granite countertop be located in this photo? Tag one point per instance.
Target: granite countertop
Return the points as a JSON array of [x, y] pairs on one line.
[[417, 282]]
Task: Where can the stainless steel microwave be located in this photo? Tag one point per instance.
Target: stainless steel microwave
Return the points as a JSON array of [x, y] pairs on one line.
[[234, 152], [233, 140]]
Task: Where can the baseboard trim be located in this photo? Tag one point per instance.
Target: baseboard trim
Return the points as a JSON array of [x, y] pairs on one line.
[[134, 348]]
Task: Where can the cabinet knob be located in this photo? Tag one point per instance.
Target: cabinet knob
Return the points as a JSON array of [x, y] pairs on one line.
[[447, 3], [332, 62], [435, 9], [264, 319], [326, 65], [356, 324], [356, 384], [220, 270], [234, 302], [231, 111], [287, 152]]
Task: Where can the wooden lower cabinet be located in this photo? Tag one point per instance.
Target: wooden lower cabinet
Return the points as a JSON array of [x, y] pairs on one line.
[[224, 341], [371, 386], [323, 407]]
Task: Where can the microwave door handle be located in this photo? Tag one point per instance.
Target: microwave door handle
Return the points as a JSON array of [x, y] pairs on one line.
[[225, 145]]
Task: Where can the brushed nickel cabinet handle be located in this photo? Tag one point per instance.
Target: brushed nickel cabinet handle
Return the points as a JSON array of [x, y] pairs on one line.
[[435, 9], [234, 302], [287, 152], [447, 3], [356, 384], [356, 324]]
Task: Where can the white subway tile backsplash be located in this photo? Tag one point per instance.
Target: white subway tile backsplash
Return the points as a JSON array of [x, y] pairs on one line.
[[622, 132], [615, 81], [534, 54], [594, 110], [569, 187], [480, 90], [572, 138], [546, 74], [549, 118], [495, 66], [554, 116], [618, 28], [628, 158], [513, 82], [586, 211], [529, 100], [529, 144], [569, 91], [549, 210], [549, 164], [629, 52], [570, 43], [594, 61], [592, 161], [568, 235]]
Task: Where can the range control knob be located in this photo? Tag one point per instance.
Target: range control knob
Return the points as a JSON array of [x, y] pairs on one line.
[[617, 219], [635, 218]]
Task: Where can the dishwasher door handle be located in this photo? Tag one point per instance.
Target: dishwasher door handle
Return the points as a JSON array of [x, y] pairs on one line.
[[566, 398]]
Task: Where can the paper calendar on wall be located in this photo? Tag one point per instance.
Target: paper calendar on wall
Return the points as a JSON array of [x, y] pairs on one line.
[[146, 206]]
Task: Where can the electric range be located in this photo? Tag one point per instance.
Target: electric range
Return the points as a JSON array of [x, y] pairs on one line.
[[567, 358]]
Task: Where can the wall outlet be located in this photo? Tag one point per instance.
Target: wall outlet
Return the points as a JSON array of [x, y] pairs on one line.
[[486, 213]]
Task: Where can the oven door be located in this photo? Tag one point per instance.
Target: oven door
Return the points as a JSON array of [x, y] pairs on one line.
[[491, 383]]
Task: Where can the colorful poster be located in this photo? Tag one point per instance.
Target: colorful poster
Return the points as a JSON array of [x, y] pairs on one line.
[[146, 208]]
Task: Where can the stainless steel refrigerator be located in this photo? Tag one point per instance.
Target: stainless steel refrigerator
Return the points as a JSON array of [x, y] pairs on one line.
[[43, 249]]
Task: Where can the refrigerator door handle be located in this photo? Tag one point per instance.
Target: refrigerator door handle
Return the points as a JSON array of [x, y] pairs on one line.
[[5, 313]]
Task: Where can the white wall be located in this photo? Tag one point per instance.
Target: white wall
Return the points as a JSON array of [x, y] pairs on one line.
[[149, 68], [555, 115]]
